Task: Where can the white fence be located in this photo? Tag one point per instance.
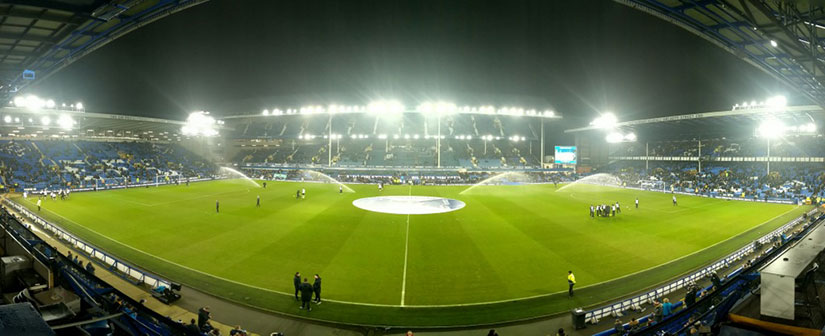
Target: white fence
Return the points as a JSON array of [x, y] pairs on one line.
[[132, 272], [633, 303]]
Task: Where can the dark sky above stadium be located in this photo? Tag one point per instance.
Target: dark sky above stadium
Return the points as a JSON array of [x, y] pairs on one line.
[[577, 57]]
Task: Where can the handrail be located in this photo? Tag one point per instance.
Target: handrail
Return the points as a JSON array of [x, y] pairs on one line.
[[138, 274], [635, 302]]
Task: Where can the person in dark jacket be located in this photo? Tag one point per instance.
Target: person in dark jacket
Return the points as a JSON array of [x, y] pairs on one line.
[[714, 278], [296, 281], [316, 287], [193, 328], [203, 318], [690, 296], [306, 295]]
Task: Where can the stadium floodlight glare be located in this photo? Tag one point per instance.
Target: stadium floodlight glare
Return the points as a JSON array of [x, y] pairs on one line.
[[45, 120], [774, 44], [605, 121], [78, 106], [771, 129], [65, 122], [199, 123], [20, 101], [265, 112], [630, 137], [382, 136], [50, 103], [614, 137], [776, 101], [385, 107], [7, 119]]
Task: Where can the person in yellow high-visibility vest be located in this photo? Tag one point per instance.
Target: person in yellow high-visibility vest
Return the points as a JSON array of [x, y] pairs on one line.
[[571, 281]]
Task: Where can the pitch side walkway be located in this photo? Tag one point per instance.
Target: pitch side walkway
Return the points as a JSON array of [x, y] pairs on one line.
[[226, 314]]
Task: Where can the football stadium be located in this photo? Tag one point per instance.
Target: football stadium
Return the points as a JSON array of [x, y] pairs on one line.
[[139, 201]]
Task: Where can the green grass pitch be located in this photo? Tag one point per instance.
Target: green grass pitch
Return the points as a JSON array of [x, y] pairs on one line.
[[508, 243]]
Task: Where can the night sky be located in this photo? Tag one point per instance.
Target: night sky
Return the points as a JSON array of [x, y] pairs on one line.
[[577, 57]]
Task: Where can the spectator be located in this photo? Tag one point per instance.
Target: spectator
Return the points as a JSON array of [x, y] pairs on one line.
[[561, 332], [633, 324], [203, 319], [690, 296], [714, 278], [657, 311], [237, 331], [193, 327], [667, 307], [409, 333], [618, 326], [90, 268], [492, 332]]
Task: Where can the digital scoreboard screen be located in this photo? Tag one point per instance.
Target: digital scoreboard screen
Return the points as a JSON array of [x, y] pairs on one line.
[[565, 154]]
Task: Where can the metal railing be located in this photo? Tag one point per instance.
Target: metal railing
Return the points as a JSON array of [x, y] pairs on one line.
[[138, 275], [615, 309]]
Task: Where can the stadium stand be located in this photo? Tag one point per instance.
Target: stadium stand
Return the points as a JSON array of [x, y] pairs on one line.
[[363, 140], [28, 164]]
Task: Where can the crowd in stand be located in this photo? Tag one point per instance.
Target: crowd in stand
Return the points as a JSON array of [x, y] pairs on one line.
[[789, 146], [471, 141], [787, 181], [72, 164]]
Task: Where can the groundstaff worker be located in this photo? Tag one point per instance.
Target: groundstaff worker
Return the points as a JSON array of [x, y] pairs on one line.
[[571, 281]]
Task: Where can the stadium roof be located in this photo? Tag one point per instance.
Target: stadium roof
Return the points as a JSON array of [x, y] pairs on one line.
[[26, 122], [717, 123], [783, 38], [39, 37]]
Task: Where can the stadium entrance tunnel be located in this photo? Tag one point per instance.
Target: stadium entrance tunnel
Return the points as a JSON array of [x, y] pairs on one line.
[[408, 205]]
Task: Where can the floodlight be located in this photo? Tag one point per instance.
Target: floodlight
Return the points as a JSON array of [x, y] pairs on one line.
[[614, 137], [773, 43], [382, 136], [415, 136], [78, 106], [7, 119], [631, 137], [45, 120], [406, 136], [469, 137], [265, 112], [605, 121], [16, 119], [771, 129], [20, 101], [396, 136], [65, 122], [385, 106], [50, 103], [777, 101], [199, 123]]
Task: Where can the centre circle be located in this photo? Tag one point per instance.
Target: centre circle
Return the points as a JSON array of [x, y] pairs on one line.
[[408, 205]]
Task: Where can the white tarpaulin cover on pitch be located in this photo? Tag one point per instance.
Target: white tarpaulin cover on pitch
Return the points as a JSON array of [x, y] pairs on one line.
[[408, 205]]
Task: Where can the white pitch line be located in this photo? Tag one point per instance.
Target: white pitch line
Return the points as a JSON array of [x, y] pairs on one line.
[[406, 250]]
